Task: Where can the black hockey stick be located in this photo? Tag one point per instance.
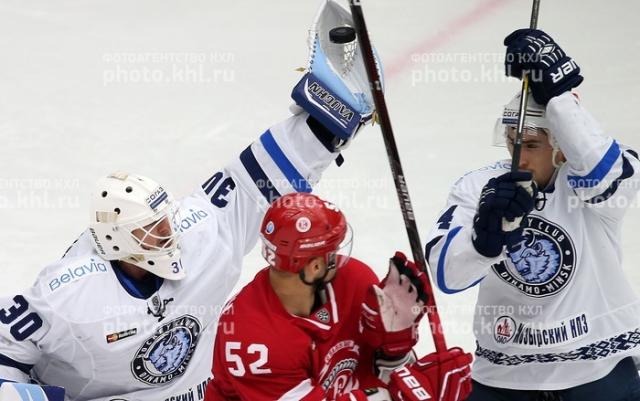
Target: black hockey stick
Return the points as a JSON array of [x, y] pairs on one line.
[[396, 169], [517, 145]]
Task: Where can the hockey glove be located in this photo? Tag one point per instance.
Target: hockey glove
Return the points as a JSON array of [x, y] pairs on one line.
[[504, 201], [390, 314], [438, 376], [552, 72], [335, 90]]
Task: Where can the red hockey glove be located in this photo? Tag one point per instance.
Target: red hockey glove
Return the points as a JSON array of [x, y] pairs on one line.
[[391, 313], [439, 377]]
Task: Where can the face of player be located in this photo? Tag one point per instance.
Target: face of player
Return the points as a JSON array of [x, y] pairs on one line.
[[154, 236], [536, 154]]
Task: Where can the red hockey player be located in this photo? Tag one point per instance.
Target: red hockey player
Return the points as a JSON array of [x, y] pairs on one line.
[[318, 325]]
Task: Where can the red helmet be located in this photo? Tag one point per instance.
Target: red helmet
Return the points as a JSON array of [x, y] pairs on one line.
[[299, 227]]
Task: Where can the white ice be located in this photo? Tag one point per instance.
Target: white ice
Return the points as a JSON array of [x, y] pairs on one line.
[[71, 111]]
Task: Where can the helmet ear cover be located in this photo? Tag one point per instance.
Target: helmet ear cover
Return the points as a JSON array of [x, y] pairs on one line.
[[135, 220]]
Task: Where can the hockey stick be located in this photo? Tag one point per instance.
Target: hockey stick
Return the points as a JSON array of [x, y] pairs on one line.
[[517, 145], [396, 169]]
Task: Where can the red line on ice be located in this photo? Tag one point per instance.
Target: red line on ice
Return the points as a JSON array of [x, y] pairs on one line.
[[446, 34]]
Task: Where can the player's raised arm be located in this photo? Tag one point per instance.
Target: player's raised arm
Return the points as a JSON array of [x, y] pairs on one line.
[[333, 102], [601, 172]]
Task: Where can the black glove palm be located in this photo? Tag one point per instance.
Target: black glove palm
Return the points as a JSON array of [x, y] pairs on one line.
[[502, 197]]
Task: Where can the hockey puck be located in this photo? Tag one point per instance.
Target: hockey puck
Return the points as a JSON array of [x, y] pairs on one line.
[[342, 35]]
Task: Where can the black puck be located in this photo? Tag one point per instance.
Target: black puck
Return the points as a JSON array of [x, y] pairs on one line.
[[342, 35]]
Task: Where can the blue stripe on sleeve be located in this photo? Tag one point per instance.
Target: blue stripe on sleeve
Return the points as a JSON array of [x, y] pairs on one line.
[[627, 171], [288, 169], [599, 171], [23, 367], [258, 175], [440, 272]]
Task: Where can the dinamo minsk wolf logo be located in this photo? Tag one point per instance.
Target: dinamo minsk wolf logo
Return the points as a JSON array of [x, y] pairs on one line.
[[541, 262], [166, 354]]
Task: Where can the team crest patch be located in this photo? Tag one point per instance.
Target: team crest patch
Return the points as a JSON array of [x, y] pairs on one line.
[[166, 355], [542, 262], [270, 227], [340, 363], [322, 315], [303, 224], [504, 329]]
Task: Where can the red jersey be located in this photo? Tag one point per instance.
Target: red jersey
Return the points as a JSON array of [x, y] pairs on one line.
[[262, 352]]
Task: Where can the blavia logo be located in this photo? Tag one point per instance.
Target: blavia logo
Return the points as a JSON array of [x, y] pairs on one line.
[[191, 218], [542, 262], [76, 273], [167, 353]]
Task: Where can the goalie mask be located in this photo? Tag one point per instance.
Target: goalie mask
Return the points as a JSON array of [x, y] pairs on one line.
[[300, 227], [135, 220]]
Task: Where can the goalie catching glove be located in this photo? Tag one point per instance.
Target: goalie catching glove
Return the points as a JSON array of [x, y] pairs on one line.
[[391, 312], [335, 90]]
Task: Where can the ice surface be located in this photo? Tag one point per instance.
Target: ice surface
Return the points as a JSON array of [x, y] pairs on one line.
[[71, 109]]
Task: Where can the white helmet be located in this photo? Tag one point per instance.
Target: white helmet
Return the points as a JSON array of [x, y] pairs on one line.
[[135, 220], [536, 117]]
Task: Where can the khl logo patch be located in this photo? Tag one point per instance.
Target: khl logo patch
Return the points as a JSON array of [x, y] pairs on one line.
[[542, 262], [166, 354]]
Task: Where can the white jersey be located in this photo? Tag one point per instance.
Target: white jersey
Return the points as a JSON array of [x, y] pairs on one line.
[[554, 310], [87, 327]]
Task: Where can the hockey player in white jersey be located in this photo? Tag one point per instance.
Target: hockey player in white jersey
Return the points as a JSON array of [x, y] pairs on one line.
[[130, 311], [556, 317]]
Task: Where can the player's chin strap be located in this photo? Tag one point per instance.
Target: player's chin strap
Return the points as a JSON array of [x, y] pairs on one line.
[[540, 200], [541, 195]]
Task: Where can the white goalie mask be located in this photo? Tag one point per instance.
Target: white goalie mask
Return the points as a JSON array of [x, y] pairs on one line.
[[135, 220], [535, 118]]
